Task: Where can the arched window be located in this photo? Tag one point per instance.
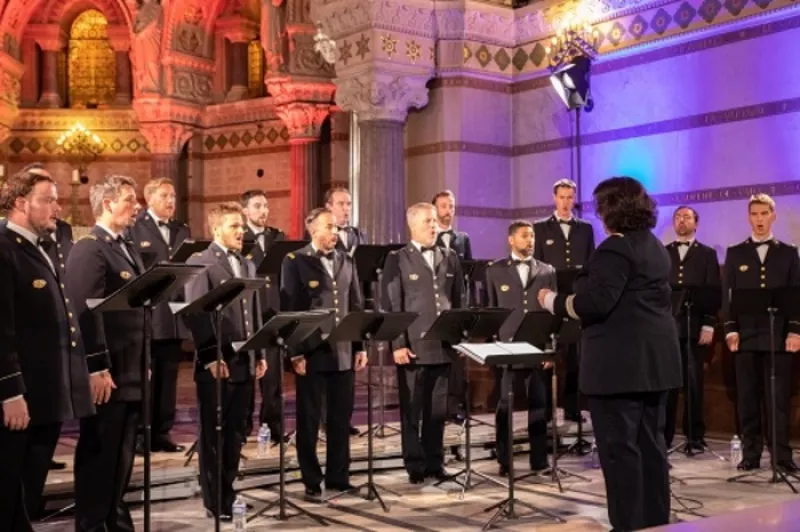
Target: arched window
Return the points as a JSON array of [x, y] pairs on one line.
[[91, 64]]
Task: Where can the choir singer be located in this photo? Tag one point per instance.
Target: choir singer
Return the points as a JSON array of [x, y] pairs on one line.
[[630, 355]]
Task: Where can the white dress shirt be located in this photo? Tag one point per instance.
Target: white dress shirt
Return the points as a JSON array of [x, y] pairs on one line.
[[523, 269], [259, 232], [31, 237], [684, 249], [427, 255], [163, 229], [564, 228], [445, 238], [235, 263], [327, 263], [117, 237], [762, 246]]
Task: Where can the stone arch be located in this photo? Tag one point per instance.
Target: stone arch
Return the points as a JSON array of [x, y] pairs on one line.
[[202, 14]]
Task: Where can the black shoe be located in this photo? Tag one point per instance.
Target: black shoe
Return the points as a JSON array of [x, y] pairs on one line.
[[57, 466], [165, 445], [748, 465], [223, 517], [502, 471], [335, 486], [787, 466], [416, 478], [440, 474], [354, 431], [313, 492]]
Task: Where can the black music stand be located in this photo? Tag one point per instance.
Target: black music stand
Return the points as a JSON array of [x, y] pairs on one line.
[[215, 302], [474, 271], [157, 285], [457, 326], [371, 327], [272, 261], [187, 249], [369, 261], [705, 300], [509, 356], [570, 334], [286, 330], [537, 328], [772, 303]]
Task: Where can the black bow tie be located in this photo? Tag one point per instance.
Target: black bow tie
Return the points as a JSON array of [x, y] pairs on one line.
[[344, 228], [564, 222], [423, 249], [526, 262], [162, 224], [687, 244], [325, 255], [448, 232], [235, 254], [45, 242]]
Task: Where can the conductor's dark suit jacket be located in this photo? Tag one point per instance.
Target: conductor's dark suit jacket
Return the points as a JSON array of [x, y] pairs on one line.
[[306, 285], [409, 285], [551, 247], [42, 354], [154, 249], [240, 320], [743, 269], [97, 267], [623, 299], [699, 268]]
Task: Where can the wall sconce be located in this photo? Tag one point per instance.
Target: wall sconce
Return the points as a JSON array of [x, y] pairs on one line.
[[575, 35], [80, 144], [325, 46]]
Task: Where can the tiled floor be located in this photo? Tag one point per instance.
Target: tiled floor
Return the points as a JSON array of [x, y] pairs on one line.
[[730, 507]]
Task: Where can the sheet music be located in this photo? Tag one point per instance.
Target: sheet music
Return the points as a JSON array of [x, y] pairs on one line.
[[482, 353]]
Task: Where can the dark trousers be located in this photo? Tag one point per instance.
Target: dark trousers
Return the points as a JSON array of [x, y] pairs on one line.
[[271, 394], [698, 432], [629, 431], [103, 464], [24, 462], [753, 397], [571, 404], [422, 391], [536, 388], [166, 358], [456, 387], [323, 405], [235, 396], [338, 387]]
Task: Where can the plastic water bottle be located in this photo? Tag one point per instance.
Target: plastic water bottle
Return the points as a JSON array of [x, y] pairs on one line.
[[239, 515], [736, 451], [264, 435]]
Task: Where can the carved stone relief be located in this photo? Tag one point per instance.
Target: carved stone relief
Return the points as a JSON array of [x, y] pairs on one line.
[[381, 96]]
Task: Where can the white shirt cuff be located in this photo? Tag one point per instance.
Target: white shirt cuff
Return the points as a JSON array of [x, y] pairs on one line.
[[15, 398], [731, 334], [707, 328]]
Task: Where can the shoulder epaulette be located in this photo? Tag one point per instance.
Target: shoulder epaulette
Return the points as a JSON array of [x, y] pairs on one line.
[[291, 256], [84, 237]]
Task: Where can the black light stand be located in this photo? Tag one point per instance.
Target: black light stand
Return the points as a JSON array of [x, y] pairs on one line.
[[285, 330], [754, 302]]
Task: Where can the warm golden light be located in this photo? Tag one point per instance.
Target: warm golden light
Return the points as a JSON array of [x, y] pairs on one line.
[[575, 34]]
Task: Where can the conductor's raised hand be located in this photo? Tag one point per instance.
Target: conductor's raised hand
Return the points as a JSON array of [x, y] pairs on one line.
[[403, 356]]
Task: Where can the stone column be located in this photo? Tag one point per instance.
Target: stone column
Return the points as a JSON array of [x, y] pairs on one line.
[[50, 97], [239, 65], [381, 101], [304, 122], [119, 39]]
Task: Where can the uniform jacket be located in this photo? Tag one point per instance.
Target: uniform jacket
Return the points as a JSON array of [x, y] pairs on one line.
[[459, 242], [409, 285], [306, 285], [154, 249], [240, 320], [270, 294], [97, 267], [699, 267], [552, 248]]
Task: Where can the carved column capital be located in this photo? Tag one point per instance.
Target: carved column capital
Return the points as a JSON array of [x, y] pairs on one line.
[[303, 120], [381, 95], [49, 37], [167, 137], [288, 90], [237, 29], [119, 38]]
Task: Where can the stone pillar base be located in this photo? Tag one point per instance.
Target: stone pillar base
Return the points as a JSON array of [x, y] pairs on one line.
[[236, 93], [51, 100]]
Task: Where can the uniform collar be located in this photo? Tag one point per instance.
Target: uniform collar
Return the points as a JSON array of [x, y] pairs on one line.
[[27, 234]]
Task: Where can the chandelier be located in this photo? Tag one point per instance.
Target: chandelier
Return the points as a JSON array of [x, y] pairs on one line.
[[575, 35], [80, 143]]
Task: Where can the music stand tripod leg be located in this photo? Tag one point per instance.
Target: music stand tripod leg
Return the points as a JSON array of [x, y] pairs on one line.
[[282, 502]]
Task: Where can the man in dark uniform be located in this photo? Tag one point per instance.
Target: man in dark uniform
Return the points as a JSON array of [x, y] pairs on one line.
[[157, 235], [101, 263], [44, 374], [321, 277], [256, 213], [762, 261], [425, 279], [565, 242], [239, 321], [339, 201], [458, 241], [514, 283], [693, 265]]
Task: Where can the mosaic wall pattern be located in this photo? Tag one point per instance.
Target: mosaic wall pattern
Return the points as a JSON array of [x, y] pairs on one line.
[[121, 145], [228, 141]]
